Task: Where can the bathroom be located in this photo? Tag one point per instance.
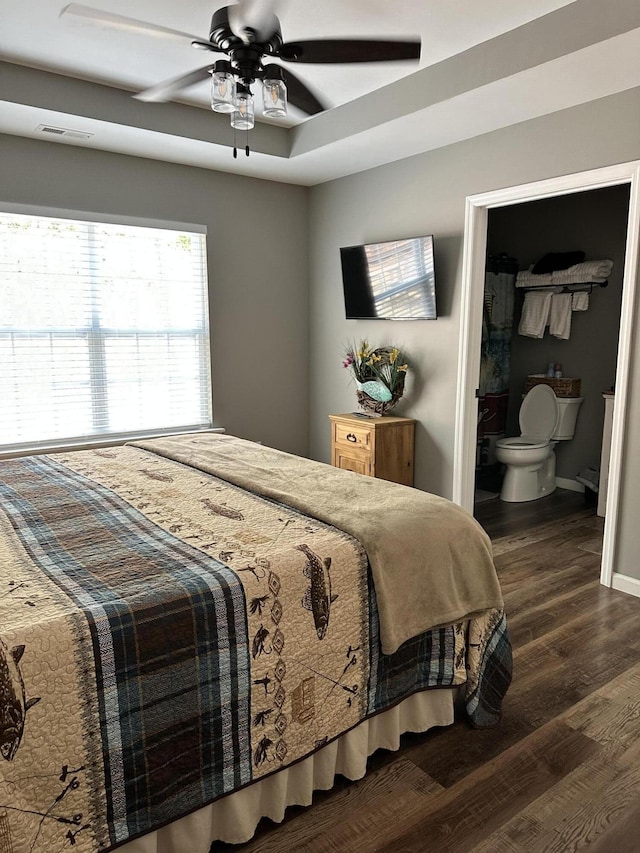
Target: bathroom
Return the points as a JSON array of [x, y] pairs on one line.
[[595, 223]]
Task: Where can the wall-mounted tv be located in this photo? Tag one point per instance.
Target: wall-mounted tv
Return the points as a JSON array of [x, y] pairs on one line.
[[394, 280]]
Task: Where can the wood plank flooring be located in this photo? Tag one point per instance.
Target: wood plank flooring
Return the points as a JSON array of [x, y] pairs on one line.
[[562, 771]]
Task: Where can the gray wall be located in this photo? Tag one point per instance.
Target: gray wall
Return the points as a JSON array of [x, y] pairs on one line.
[[258, 295], [426, 194], [596, 223]]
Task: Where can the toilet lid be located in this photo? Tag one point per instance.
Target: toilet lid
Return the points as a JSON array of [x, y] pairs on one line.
[[539, 412]]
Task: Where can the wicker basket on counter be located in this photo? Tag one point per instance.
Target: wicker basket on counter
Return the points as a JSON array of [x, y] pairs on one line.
[[563, 386]]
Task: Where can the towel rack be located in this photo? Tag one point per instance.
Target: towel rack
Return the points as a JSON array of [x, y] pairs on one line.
[[586, 287]]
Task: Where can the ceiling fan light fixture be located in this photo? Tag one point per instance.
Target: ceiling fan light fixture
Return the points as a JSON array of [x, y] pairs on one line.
[[223, 87], [243, 117], [274, 92]]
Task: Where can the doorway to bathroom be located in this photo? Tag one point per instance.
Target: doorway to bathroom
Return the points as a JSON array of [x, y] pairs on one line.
[[588, 226], [551, 212]]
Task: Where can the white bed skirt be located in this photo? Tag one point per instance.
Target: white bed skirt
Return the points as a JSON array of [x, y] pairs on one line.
[[234, 818]]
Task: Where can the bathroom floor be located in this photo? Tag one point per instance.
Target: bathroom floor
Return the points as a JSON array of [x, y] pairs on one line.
[[500, 518]]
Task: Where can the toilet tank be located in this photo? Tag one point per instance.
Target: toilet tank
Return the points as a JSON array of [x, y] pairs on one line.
[[567, 415]]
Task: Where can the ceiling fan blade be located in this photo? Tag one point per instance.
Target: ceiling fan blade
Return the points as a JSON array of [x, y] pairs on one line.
[[166, 90], [123, 23], [348, 50], [300, 96]]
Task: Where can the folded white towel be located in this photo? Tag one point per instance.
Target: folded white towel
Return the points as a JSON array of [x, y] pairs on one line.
[[580, 302], [560, 315], [596, 271], [535, 314]]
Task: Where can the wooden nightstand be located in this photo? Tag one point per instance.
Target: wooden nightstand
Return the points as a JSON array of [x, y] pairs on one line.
[[377, 447]]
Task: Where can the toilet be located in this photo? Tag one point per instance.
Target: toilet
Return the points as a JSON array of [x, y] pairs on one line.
[[530, 459]]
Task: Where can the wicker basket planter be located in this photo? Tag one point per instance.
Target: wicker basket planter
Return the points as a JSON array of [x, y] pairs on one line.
[[377, 407], [563, 386], [379, 376], [375, 404]]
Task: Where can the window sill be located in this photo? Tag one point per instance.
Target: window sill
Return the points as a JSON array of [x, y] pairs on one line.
[[89, 444]]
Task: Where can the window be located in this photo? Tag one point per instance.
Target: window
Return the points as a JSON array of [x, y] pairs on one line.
[[103, 331]]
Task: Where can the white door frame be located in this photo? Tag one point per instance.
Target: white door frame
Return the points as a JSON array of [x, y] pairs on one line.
[[473, 274]]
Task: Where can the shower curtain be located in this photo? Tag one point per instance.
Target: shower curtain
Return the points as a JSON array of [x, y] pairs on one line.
[[495, 364]]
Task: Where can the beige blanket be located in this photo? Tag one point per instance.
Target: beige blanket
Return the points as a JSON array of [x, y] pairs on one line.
[[431, 561]]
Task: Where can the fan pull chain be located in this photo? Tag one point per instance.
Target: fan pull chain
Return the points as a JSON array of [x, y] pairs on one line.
[[247, 150]]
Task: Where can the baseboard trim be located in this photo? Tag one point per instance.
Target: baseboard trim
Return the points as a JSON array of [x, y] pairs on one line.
[[625, 583], [572, 485]]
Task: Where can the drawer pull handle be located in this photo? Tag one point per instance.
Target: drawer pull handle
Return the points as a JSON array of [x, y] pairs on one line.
[[351, 437]]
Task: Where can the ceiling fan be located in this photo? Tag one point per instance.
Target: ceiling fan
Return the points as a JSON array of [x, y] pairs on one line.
[[249, 33]]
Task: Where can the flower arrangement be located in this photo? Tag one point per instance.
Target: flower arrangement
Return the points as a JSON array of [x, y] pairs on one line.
[[379, 374]]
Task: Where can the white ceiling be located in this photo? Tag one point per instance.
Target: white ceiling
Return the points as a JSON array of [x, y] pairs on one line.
[[484, 65]]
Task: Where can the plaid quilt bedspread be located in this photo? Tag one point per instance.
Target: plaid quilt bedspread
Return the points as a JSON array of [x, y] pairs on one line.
[[167, 638]]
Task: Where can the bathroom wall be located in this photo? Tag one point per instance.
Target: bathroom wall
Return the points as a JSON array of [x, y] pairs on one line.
[[596, 223]]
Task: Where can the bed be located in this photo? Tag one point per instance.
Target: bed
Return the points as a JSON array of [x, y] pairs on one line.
[[197, 631]]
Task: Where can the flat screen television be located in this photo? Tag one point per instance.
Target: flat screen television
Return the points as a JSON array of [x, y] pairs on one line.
[[394, 280]]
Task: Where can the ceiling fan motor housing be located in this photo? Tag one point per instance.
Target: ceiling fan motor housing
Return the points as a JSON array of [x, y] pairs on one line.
[[245, 56], [227, 41]]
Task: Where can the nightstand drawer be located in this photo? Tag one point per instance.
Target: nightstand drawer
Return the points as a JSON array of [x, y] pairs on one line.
[[352, 436]]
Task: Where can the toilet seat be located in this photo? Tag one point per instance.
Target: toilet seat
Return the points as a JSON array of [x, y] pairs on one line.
[[533, 442], [539, 413]]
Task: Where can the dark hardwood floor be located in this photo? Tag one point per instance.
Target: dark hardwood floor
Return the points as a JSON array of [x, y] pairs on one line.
[[562, 771]]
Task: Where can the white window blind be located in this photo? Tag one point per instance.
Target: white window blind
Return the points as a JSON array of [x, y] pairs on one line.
[[103, 331]]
